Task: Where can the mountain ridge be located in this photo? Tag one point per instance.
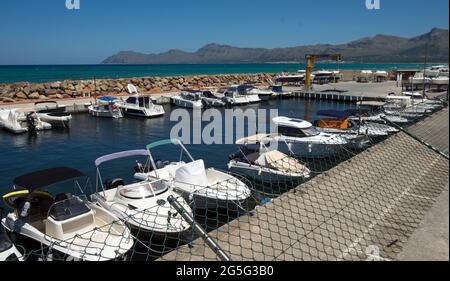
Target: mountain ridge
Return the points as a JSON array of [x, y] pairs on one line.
[[378, 48]]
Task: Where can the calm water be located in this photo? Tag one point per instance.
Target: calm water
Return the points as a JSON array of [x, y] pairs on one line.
[[9, 74], [91, 137]]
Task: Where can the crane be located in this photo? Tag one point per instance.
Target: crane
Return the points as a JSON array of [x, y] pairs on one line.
[[311, 60]]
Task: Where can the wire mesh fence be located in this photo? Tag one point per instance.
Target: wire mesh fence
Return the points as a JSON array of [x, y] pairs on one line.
[[339, 193]]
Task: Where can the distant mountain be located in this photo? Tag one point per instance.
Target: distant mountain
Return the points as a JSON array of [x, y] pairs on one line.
[[380, 48]]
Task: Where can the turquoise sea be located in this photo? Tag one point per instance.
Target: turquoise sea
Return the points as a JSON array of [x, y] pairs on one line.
[[47, 73]]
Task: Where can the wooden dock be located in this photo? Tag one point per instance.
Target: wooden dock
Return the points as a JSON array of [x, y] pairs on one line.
[[364, 208]]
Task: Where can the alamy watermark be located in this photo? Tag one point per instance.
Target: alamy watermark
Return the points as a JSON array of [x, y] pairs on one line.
[[213, 126], [373, 4], [73, 4]]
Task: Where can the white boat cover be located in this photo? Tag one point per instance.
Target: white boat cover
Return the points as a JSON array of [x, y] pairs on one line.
[[192, 173], [279, 161]]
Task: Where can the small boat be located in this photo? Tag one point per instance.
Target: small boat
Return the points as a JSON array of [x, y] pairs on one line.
[[188, 100], [323, 76], [142, 205], [70, 225], [140, 106], [372, 111], [267, 166], [419, 78], [440, 80], [236, 95], [56, 115], [365, 76], [341, 123], [22, 120], [9, 251], [301, 138], [205, 188], [106, 107], [263, 94], [207, 97]]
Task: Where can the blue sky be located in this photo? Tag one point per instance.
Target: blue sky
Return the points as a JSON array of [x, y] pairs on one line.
[[45, 32]]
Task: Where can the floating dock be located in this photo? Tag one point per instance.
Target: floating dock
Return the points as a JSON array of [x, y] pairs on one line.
[[366, 208]]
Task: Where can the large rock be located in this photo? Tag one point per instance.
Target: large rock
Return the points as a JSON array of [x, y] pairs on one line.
[[34, 96], [21, 95], [42, 97], [49, 92], [55, 85]]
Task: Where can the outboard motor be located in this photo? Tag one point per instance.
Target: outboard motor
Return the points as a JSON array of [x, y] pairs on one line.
[[113, 183], [206, 104], [31, 121]]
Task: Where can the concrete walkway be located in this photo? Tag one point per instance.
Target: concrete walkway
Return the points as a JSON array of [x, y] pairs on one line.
[[366, 208]]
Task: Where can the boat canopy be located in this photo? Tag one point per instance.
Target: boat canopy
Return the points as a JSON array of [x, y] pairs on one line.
[[107, 98], [44, 178], [334, 113], [119, 155], [163, 142]]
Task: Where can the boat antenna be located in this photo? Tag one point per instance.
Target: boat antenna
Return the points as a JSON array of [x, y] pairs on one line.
[[424, 69], [95, 90]]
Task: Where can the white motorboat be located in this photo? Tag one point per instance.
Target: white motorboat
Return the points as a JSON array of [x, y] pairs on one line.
[[419, 78], [365, 76], [106, 107], [205, 188], [70, 225], [55, 115], [302, 139], [263, 94], [9, 251], [140, 106], [209, 99], [440, 80], [19, 121], [142, 205], [268, 166], [235, 95], [188, 100], [436, 71]]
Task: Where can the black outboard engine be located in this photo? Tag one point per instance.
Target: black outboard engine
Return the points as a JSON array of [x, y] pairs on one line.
[[31, 121], [206, 104], [113, 183]]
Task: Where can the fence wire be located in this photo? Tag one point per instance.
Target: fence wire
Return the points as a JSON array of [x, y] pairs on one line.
[[361, 201]]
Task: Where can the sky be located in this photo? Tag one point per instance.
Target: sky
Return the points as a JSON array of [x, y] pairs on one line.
[[46, 32]]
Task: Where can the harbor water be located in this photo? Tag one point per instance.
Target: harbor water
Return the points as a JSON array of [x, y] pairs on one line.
[[90, 138]]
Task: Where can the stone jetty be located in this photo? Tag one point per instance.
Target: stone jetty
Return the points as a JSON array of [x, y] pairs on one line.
[[22, 91]]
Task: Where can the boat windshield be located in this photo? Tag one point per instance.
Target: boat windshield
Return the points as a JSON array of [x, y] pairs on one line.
[[131, 100], [310, 132], [298, 133], [69, 208], [188, 96], [208, 94], [143, 190]]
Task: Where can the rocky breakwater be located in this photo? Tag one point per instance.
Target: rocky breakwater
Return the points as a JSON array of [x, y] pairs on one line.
[[24, 91]]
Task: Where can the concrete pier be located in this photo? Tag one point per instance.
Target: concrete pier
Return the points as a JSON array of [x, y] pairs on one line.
[[366, 208]]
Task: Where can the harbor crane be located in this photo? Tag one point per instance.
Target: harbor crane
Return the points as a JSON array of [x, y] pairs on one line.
[[311, 61]]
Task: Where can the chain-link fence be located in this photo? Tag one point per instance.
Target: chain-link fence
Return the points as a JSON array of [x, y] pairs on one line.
[[354, 188]]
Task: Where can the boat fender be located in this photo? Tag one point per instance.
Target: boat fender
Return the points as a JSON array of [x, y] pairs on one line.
[[25, 209]]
